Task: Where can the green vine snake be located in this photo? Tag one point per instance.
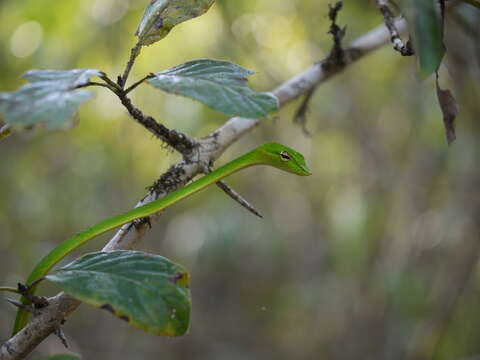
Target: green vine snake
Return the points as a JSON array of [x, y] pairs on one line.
[[272, 154]]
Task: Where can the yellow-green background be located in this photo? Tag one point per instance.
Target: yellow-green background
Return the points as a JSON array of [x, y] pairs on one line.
[[372, 257]]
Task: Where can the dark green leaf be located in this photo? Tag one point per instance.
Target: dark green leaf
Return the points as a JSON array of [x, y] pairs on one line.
[[148, 291], [162, 15], [426, 30], [219, 84], [51, 98], [59, 357]]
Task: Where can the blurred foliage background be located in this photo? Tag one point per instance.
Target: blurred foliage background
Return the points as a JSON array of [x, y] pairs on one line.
[[374, 256]]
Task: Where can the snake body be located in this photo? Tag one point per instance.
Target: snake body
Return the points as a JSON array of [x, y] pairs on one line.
[[272, 154]]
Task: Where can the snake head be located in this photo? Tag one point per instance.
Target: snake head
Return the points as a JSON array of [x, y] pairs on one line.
[[283, 158]]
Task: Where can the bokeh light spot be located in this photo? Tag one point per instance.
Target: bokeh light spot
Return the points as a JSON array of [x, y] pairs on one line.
[[107, 12], [26, 39]]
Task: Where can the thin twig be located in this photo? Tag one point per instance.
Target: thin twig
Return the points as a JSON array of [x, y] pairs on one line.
[[94, 83], [389, 18], [133, 56], [9, 289], [300, 116], [149, 76], [21, 305], [61, 335], [235, 196], [238, 198], [112, 85], [337, 55], [336, 60]]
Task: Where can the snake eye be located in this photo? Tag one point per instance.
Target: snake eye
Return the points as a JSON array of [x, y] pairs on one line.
[[285, 156]]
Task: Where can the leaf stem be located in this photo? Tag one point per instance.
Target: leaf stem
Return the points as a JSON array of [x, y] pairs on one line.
[[9, 289], [93, 83], [149, 76], [111, 84], [133, 56]]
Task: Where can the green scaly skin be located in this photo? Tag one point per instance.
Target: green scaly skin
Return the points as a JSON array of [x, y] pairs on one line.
[[272, 154]]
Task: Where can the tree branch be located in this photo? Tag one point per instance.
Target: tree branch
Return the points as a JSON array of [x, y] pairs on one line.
[[177, 140], [207, 150]]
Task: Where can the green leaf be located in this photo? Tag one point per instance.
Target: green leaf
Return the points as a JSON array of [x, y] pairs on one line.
[[148, 291], [59, 357], [162, 15], [426, 30], [219, 84], [51, 98]]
